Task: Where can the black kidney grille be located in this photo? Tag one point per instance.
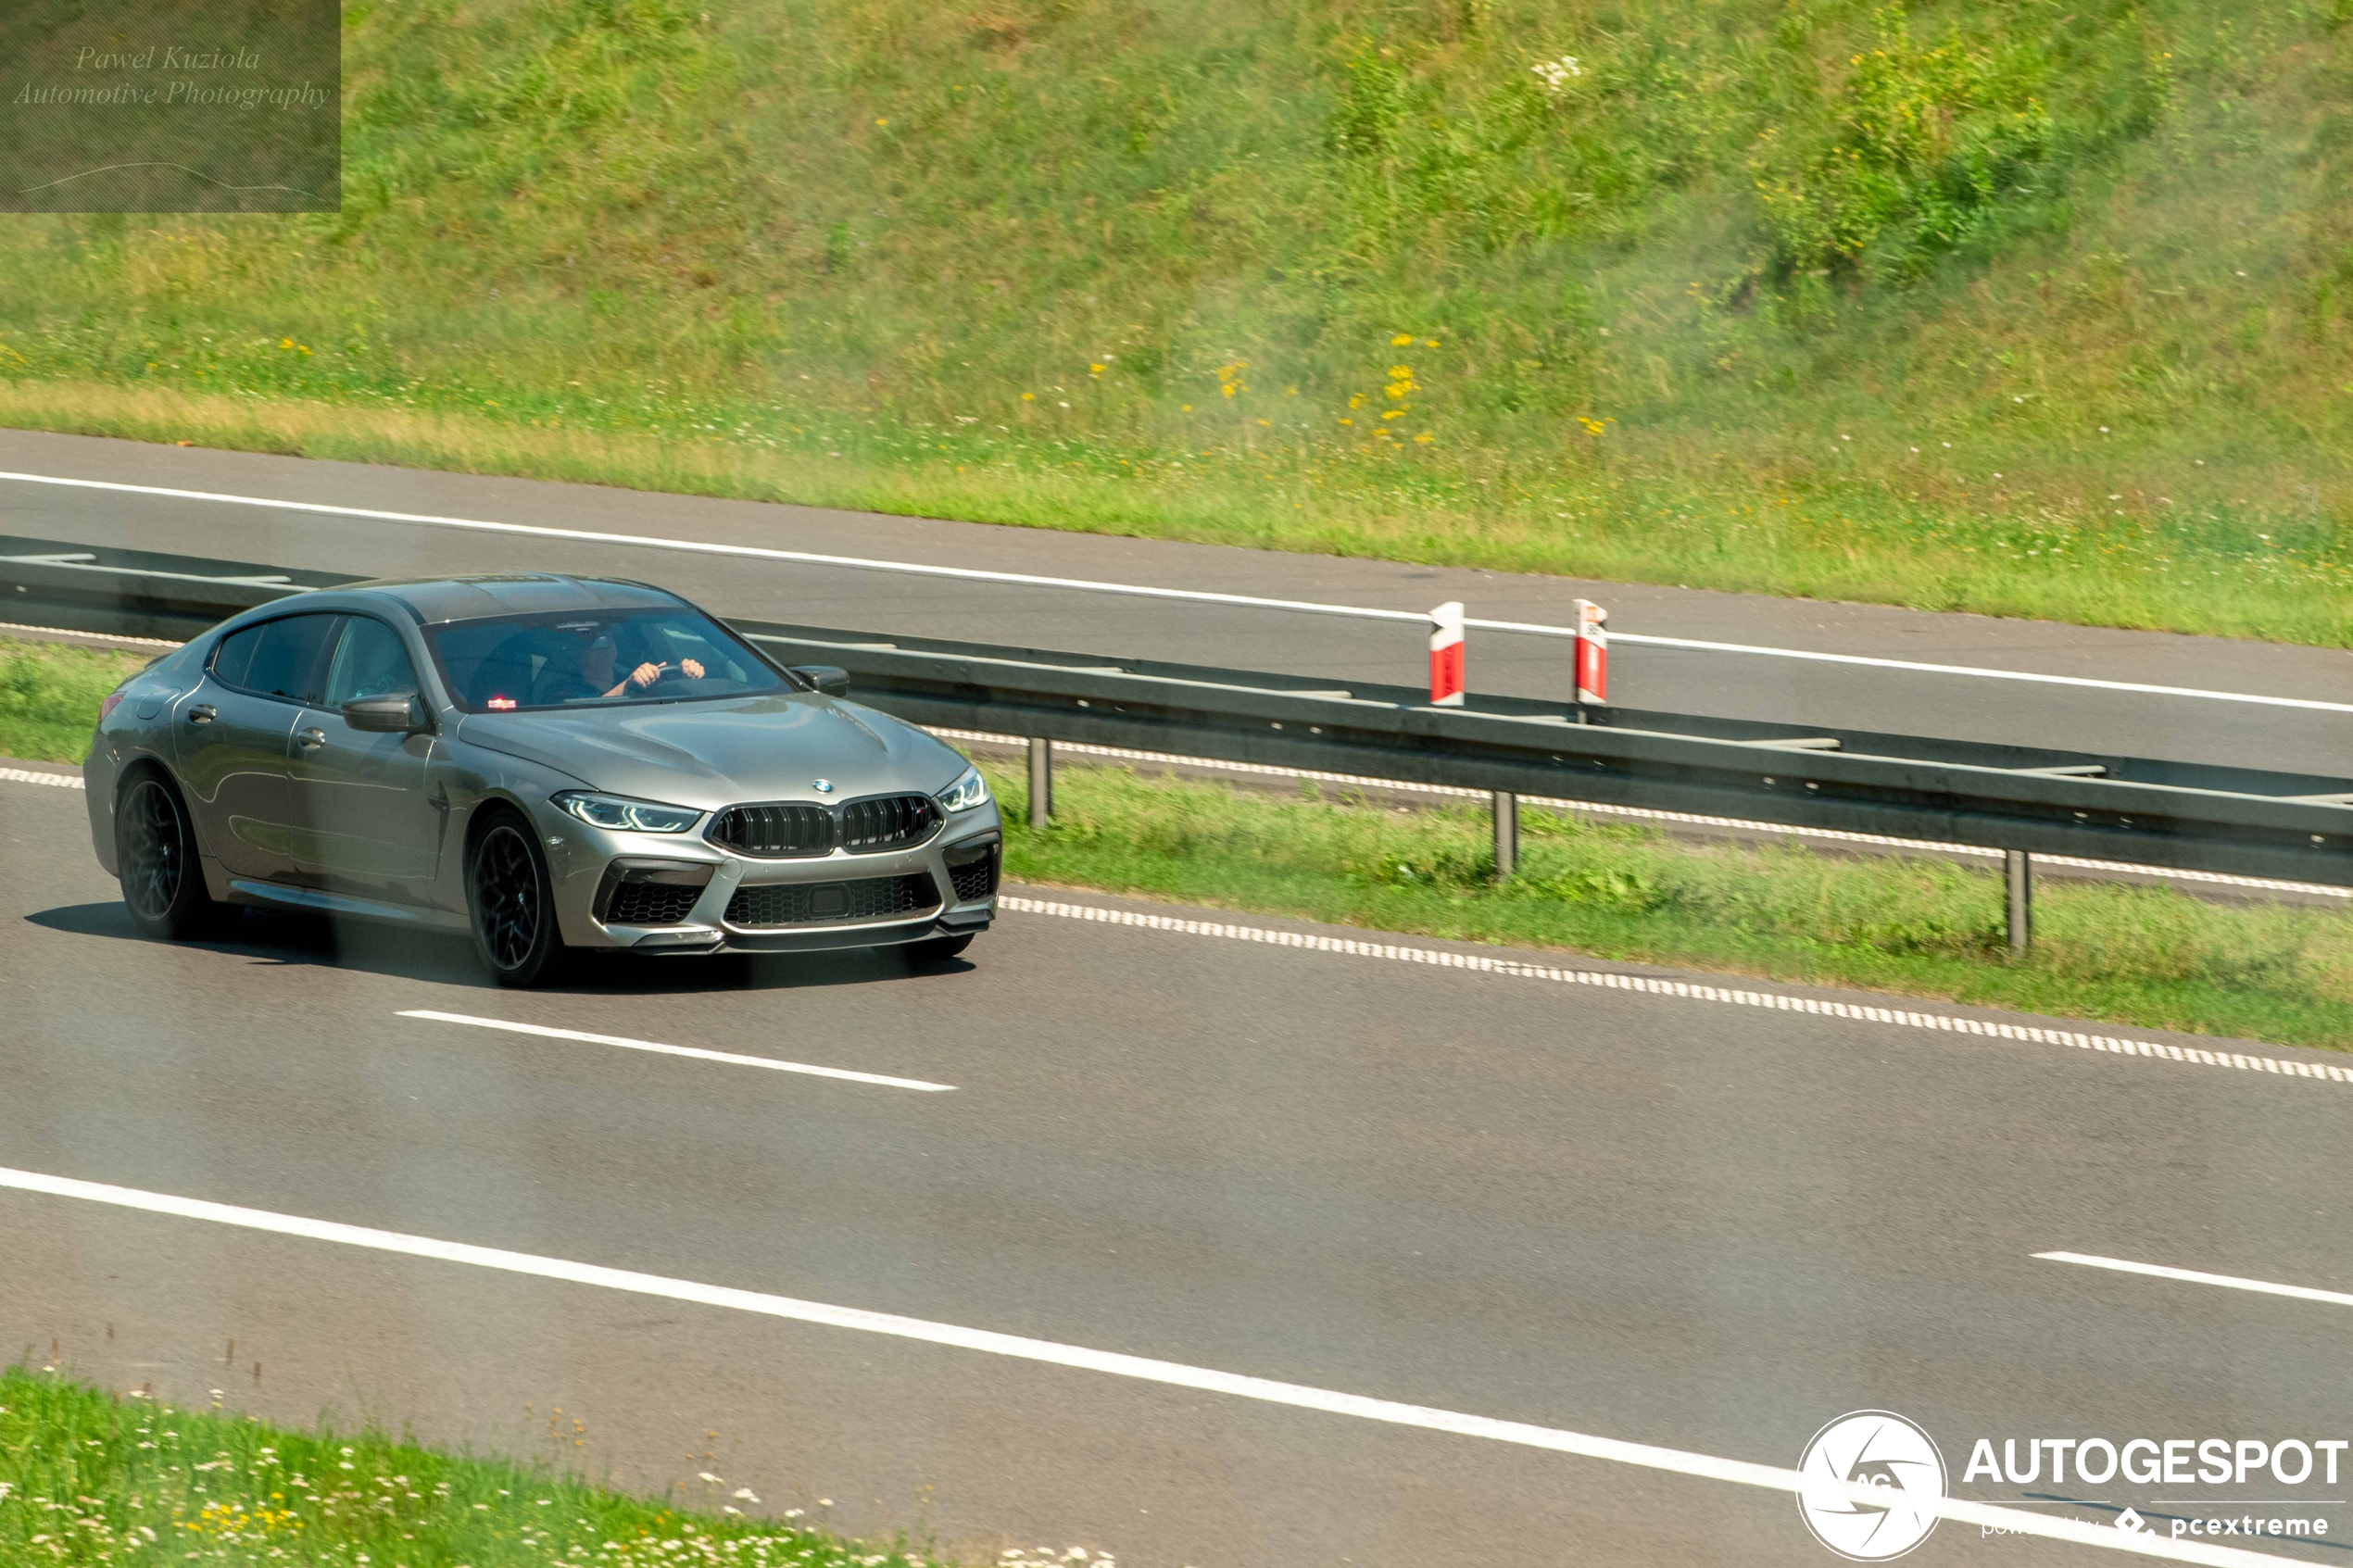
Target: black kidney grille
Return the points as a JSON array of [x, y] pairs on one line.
[[775, 833], [649, 903], [887, 822], [789, 830], [822, 903]]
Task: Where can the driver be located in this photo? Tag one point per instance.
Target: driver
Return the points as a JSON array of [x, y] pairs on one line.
[[597, 663]]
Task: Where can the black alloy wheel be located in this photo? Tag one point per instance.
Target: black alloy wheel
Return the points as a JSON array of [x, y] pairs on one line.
[[513, 904], [156, 860]]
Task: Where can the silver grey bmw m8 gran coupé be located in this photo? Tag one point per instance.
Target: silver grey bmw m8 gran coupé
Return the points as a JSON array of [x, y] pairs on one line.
[[549, 762]]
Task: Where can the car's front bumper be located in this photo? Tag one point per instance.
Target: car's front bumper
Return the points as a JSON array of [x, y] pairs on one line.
[[587, 862]]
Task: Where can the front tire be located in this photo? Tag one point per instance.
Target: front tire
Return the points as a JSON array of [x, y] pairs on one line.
[[158, 863], [511, 900]]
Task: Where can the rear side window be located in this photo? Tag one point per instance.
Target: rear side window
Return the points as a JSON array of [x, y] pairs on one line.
[[284, 658]]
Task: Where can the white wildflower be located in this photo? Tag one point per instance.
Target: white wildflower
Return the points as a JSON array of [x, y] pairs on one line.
[[1556, 74]]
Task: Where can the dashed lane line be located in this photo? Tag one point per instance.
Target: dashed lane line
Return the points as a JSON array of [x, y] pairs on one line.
[[695, 1053], [1687, 990]]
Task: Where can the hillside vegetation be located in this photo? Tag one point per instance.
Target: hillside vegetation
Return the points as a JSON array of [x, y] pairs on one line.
[[2015, 306]]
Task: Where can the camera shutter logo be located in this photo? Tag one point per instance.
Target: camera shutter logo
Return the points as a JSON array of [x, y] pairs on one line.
[[1895, 1460]]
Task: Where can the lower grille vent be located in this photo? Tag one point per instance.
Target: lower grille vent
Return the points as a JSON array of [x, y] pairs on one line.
[[825, 903], [977, 878], [649, 903]]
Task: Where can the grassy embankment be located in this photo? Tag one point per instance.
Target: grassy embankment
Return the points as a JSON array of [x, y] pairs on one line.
[[2031, 309], [88, 1479], [49, 696], [2129, 955]]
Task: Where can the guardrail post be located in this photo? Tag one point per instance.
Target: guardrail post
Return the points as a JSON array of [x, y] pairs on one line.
[[2018, 877], [1041, 780], [1506, 834]]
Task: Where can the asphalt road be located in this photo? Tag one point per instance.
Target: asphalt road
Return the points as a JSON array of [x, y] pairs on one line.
[[1652, 1218], [1902, 701]]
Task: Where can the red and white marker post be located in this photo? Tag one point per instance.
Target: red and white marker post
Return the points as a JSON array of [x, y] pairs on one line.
[[1593, 653], [1446, 655]]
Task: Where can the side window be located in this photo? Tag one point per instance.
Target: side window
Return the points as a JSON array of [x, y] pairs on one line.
[[281, 659], [368, 662], [234, 656]]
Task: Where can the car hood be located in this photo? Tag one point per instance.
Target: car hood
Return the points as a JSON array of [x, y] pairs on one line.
[[717, 753]]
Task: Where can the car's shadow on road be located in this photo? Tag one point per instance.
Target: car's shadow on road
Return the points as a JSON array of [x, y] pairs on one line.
[[270, 937]]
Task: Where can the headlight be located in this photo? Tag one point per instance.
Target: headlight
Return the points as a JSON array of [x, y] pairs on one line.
[[619, 811], [965, 793]]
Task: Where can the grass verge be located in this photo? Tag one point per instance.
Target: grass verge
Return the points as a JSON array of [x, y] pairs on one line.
[[1679, 515], [88, 1477], [49, 695], [2028, 309], [1926, 927]]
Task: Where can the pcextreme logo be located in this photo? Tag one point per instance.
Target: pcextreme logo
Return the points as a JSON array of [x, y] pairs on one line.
[[1900, 1465]]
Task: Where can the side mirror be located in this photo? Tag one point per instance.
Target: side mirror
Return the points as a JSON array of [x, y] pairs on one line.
[[831, 679], [395, 713]]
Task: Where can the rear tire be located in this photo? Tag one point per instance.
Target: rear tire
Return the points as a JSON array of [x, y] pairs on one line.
[[932, 950], [512, 903], [157, 863]]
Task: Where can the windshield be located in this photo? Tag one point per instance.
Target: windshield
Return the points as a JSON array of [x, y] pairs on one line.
[[533, 661]]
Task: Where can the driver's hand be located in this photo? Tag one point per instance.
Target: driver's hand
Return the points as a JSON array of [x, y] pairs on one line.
[[691, 668], [645, 675]]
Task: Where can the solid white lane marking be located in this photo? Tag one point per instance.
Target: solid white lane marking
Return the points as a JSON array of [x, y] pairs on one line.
[[704, 547], [2193, 1276], [1644, 813], [1644, 984], [1080, 1358], [694, 1051], [1977, 672], [29, 775], [1138, 590]]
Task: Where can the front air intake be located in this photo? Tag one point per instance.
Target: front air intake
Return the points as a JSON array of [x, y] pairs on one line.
[[776, 904]]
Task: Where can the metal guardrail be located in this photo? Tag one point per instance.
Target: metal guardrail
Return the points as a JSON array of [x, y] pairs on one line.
[[2195, 817], [134, 593], [2024, 800]]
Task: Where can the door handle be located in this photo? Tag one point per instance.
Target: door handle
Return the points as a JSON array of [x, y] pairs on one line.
[[202, 713], [312, 739]]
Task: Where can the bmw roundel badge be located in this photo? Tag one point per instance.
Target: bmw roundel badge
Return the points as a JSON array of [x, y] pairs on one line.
[[823, 787]]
